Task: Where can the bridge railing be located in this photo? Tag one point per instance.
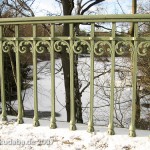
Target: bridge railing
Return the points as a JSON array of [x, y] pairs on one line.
[[54, 43]]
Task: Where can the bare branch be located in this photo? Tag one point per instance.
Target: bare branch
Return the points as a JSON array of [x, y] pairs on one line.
[[90, 5], [26, 7], [22, 5], [59, 1], [120, 6], [87, 85], [86, 3]]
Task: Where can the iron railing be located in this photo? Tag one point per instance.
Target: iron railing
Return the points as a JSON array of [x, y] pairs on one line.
[[53, 43]]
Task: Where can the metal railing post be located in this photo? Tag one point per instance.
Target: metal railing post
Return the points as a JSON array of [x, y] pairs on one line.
[[35, 119], [19, 95], [52, 60], [91, 124], [72, 102], [111, 117]]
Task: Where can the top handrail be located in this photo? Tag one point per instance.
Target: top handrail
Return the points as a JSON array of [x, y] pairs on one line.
[[77, 19]]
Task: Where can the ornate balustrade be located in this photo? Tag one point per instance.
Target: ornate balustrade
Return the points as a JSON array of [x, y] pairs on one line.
[[73, 45]]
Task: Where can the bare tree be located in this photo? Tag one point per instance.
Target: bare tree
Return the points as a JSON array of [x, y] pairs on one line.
[[68, 6]]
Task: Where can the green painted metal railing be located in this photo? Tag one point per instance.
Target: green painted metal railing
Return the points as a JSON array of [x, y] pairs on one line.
[[54, 43]]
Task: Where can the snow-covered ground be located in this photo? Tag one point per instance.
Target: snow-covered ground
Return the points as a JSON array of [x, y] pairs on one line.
[[27, 137]]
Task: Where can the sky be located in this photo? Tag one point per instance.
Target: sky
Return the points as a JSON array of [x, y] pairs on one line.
[[42, 7], [51, 7]]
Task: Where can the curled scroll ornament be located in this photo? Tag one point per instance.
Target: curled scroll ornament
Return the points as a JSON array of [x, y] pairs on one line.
[[78, 46], [58, 46], [8, 45], [42, 46], [25, 46], [123, 46], [143, 48], [102, 46]]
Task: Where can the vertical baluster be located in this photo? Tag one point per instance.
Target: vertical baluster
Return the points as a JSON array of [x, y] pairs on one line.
[[134, 82], [52, 56], [111, 117], [3, 98], [35, 119], [18, 76], [90, 124], [72, 103]]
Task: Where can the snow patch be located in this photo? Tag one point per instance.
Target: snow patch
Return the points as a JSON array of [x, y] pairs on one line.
[[44, 138]]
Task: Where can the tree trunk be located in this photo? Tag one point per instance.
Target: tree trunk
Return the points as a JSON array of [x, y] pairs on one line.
[[78, 103], [138, 109], [68, 6]]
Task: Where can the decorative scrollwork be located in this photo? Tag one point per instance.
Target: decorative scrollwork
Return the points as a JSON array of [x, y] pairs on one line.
[[80, 46], [102, 46], [8, 45], [42, 46], [123, 46], [58, 46], [25, 46], [143, 48]]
